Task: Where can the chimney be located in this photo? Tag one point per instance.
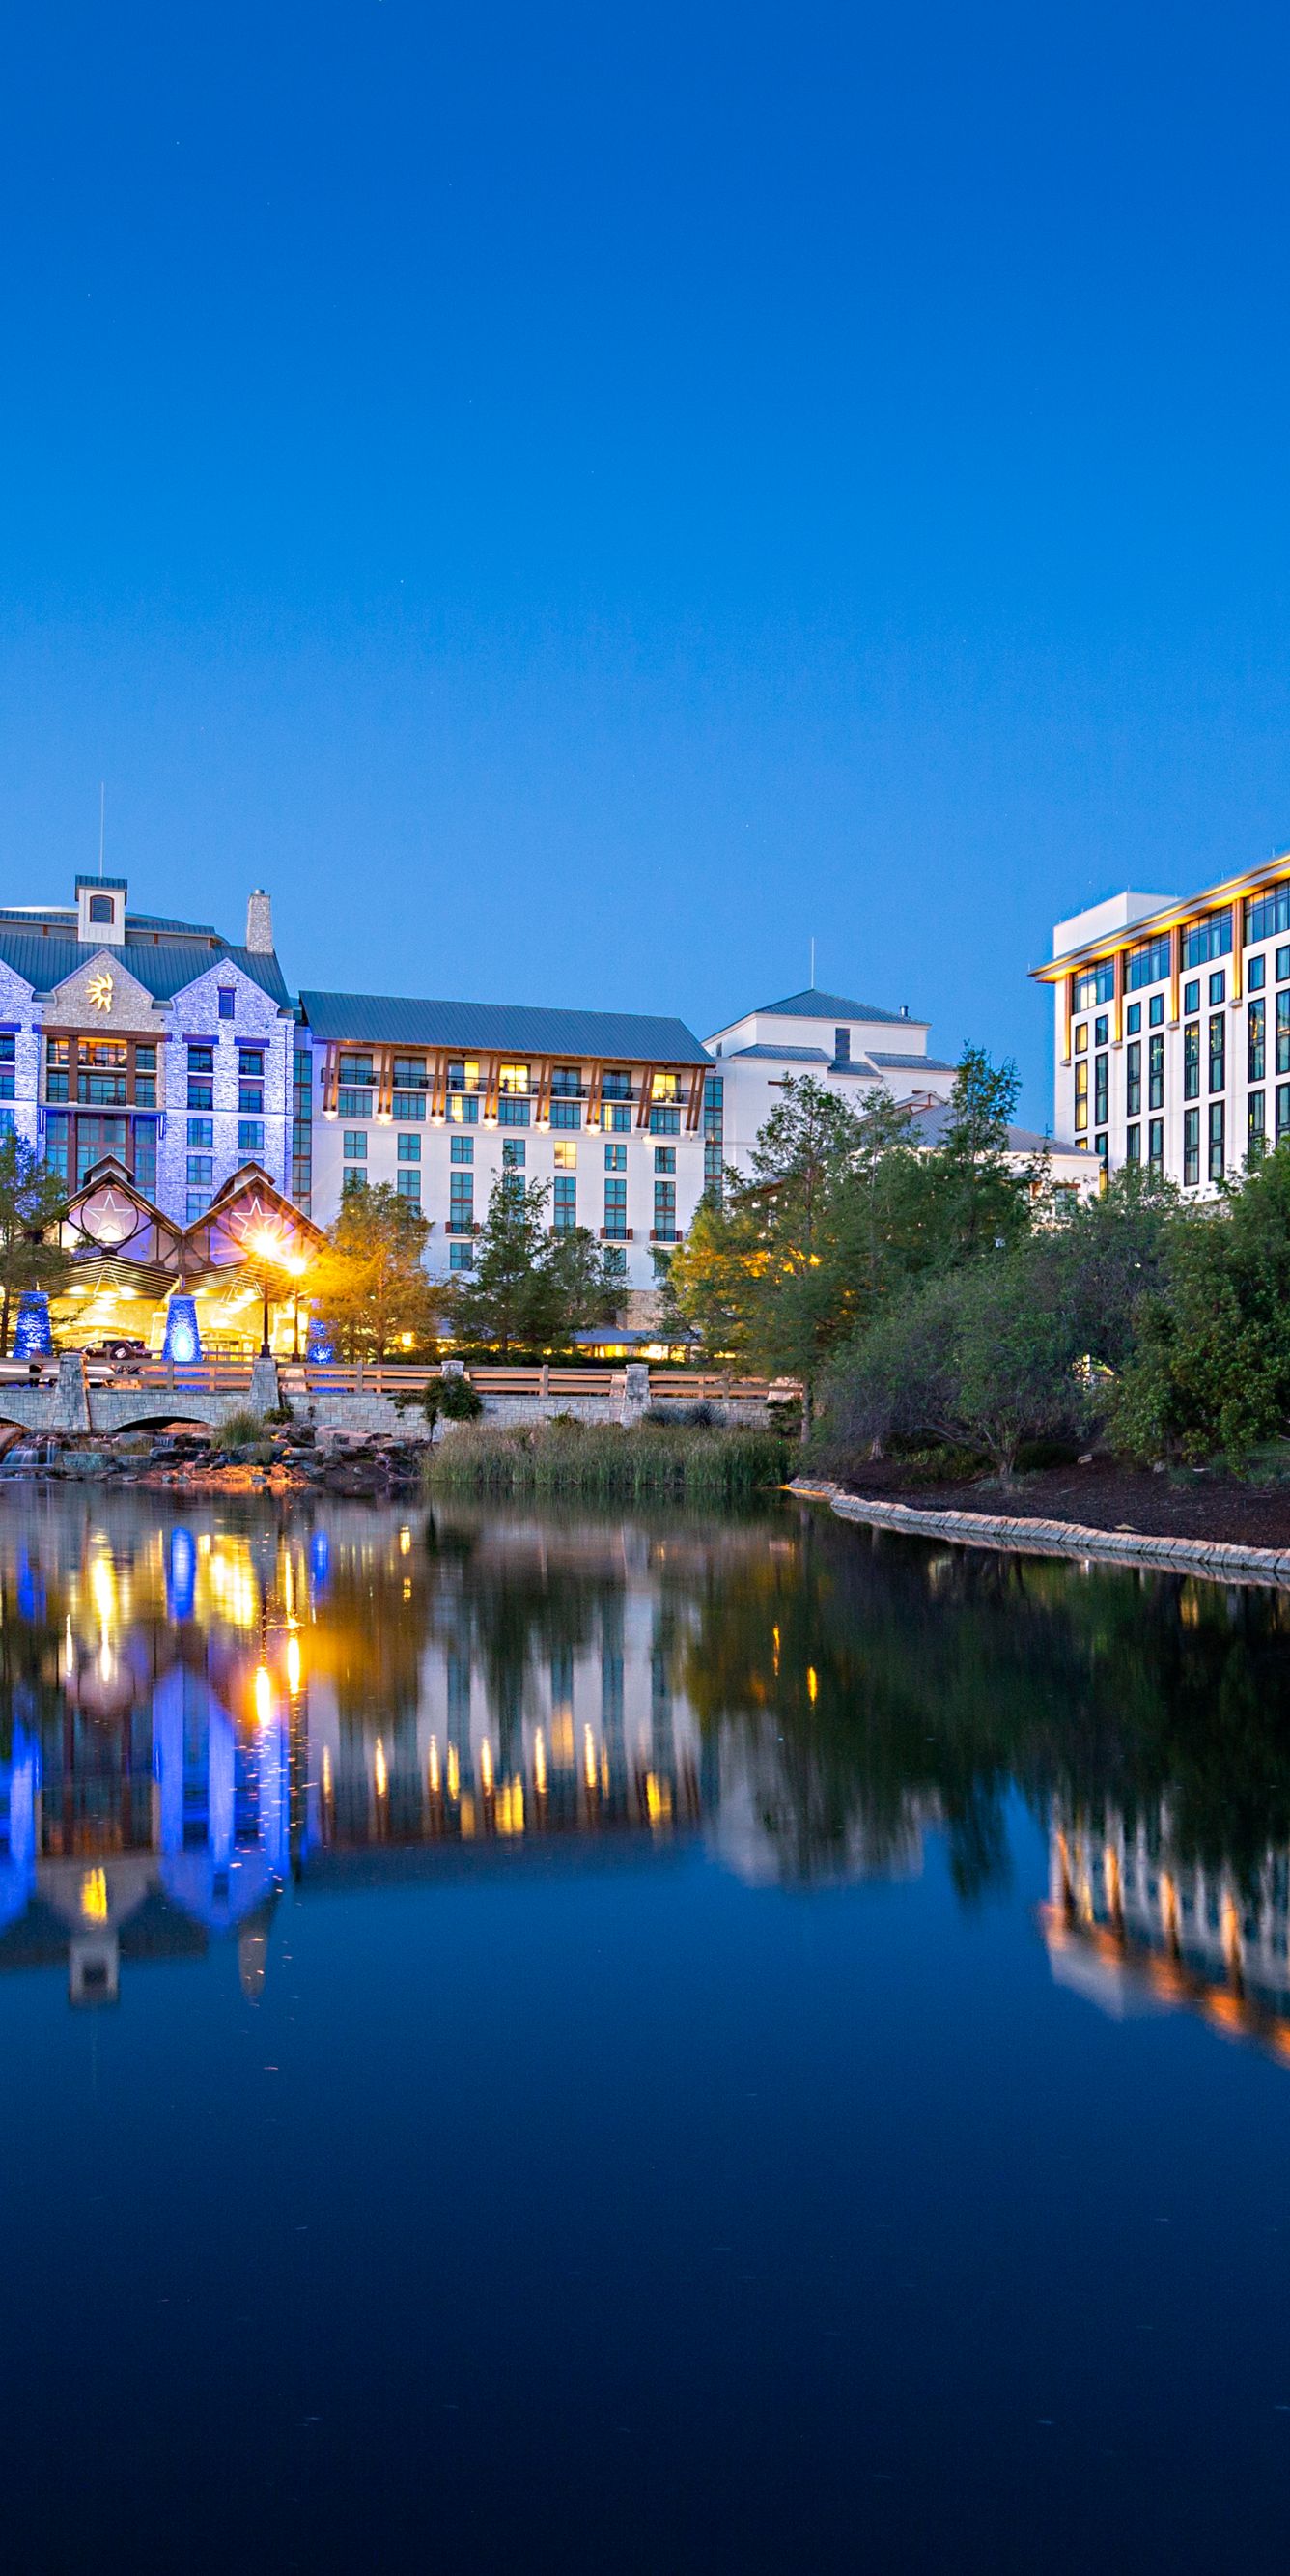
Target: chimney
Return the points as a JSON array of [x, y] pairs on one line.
[[904, 1008], [259, 924]]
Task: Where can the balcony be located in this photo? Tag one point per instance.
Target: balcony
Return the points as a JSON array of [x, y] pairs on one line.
[[616, 1234], [666, 1234]]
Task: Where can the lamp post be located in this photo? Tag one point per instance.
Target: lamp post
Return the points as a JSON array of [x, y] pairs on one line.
[[269, 1253]]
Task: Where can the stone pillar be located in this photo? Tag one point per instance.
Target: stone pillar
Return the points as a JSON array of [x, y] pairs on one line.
[[453, 1368], [635, 1392], [71, 1395], [264, 1396]]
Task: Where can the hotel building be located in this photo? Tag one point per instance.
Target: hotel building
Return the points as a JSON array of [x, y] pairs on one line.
[[439, 1099], [1172, 1027]]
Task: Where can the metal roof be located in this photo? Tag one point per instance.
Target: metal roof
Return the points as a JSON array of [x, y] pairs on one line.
[[813, 1005], [163, 966], [390, 1019], [777, 1055], [933, 1120], [911, 1063]]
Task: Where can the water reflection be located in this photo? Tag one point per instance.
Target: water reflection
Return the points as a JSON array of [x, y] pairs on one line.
[[197, 1712]]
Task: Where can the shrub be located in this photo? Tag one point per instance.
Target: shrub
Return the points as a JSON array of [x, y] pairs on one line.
[[240, 1430], [603, 1462], [459, 1401]]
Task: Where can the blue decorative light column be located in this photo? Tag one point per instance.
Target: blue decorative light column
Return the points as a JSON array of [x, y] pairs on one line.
[[183, 1342], [33, 1338], [320, 1342]]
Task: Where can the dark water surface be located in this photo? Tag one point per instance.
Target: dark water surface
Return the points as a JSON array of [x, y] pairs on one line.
[[638, 2045]]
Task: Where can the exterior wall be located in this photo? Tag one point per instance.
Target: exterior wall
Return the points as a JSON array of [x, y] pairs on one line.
[[257, 1021]]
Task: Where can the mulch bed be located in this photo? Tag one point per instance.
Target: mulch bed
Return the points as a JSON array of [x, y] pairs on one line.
[[1103, 1496]]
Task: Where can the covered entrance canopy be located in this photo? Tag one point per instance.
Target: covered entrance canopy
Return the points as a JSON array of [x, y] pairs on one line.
[[130, 1257]]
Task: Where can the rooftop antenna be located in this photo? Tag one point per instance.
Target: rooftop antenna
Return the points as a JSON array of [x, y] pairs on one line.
[[102, 819], [812, 946]]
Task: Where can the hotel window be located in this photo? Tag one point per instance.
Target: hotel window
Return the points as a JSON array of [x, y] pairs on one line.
[[1217, 990], [616, 1122], [513, 1078], [615, 1261], [410, 1148], [463, 1110], [615, 1158], [1283, 966], [354, 1104], [227, 1001], [665, 1122], [1156, 1144], [665, 1211], [1101, 1069], [1156, 1011], [409, 1104], [8, 1066], [461, 1256], [665, 1086], [566, 1203], [355, 1145], [302, 1134], [250, 1098], [1191, 995], [461, 1148], [356, 1066], [665, 1158], [463, 1074], [1133, 1144], [101, 1076], [58, 1058], [1283, 1112], [461, 1203], [566, 1082], [616, 1086], [196, 1204], [1081, 1099], [201, 1134], [1255, 1126], [1256, 1050], [1283, 1033], [512, 1111], [1081, 1037], [145, 1077], [1256, 974], [1217, 1052], [714, 1104], [1149, 964], [1191, 1060], [1102, 1149], [713, 1168], [201, 1092], [616, 1211], [1267, 915], [1101, 1031], [1191, 1148], [145, 1158], [201, 1171], [407, 1182], [408, 1073], [250, 1135], [1096, 984], [1216, 1145], [56, 1145], [1207, 939], [1133, 1078], [566, 1113], [1156, 1073], [566, 1158], [513, 1153], [1133, 1019]]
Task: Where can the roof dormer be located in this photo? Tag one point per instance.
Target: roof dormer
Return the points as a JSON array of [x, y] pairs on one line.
[[100, 911]]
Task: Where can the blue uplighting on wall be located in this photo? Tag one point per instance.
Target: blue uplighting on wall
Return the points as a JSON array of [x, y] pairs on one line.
[[320, 1342], [33, 1339], [183, 1342]]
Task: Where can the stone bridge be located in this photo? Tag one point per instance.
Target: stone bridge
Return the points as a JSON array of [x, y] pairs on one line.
[[74, 1409]]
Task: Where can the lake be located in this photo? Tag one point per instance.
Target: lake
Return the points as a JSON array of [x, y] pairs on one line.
[[635, 2044]]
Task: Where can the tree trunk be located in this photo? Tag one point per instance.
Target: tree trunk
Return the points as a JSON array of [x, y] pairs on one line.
[[806, 1410], [4, 1323]]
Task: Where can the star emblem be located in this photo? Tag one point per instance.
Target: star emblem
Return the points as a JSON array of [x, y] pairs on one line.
[[99, 991]]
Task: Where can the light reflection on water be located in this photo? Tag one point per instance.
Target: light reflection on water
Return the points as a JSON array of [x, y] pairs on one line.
[[637, 2044]]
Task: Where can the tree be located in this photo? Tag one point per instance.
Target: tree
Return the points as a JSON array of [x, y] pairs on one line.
[[530, 1288], [33, 1202], [369, 1281], [1211, 1370], [973, 1198]]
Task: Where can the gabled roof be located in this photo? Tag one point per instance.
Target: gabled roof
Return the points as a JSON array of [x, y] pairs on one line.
[[163, 965], [933, 1119], [911, 1063], [489, 1028], [814, 1005]]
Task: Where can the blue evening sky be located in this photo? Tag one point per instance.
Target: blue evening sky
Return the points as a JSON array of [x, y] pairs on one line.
[[578, 500]]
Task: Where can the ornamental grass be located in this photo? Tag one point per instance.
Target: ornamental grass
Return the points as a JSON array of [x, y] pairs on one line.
[[598, 1461]]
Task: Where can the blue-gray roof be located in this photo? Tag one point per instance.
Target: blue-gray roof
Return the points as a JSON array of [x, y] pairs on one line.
[[163, 966], [931, 1124], [778, 1055], [911, 1063], [390, 1019], [813, 1005]]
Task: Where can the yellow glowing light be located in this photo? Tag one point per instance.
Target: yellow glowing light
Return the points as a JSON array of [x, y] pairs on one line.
[[380, 1773], [774, 1651], [466, 1818], [94, 1896], [405, 1541], [588, 1757], [454, 1771], [434, 1766], [405, 1341], [658, 1799], [509, 1812], [326, 1771], [539, 1764], [263, 1694], [812, 1684], [293, 1666], [561, 1738], [486, 1763]]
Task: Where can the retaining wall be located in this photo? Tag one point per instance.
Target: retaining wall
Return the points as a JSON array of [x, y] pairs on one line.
[[1220, 1560]]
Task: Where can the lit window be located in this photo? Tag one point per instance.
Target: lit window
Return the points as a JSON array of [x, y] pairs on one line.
[[615, 1158], [513, 1078], [1096, 985], [463, 1075], [616, 1122], [566, 1158], [463, 1112]]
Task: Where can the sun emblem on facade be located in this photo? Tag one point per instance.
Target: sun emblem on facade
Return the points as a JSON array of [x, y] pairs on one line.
[[99, 991]]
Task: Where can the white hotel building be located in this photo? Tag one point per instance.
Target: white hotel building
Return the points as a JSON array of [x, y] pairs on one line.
[[1172, 1027]]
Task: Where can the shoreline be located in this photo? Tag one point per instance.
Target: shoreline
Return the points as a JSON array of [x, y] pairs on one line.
[[1217, 1559]]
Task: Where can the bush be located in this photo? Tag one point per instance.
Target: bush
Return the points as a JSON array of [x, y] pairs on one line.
[[459, 1401], [240, 1431]]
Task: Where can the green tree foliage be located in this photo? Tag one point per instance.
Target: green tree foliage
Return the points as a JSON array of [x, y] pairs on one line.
[[1211, 1368], [369, 1282], [530, 1289], [33, 1201]]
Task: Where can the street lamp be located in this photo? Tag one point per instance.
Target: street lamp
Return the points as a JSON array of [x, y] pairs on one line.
[[269, 1252]]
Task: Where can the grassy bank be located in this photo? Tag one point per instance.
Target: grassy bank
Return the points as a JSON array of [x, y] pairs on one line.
[[597, 1461]]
